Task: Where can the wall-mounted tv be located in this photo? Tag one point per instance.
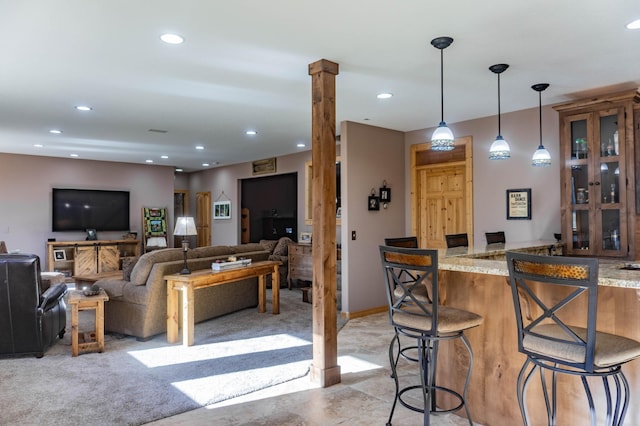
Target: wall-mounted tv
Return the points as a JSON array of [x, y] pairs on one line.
[[82, 209]]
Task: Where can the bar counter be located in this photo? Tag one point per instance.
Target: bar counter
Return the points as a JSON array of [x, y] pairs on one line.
[[477, 279]]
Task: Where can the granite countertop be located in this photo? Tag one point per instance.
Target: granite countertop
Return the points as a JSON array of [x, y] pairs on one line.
[[489, 259]]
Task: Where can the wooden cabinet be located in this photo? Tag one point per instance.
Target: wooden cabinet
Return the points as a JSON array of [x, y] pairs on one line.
[[300, 263], [89, 257], [597, 175]]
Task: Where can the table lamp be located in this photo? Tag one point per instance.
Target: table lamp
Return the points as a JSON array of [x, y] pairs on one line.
[[185, 227]]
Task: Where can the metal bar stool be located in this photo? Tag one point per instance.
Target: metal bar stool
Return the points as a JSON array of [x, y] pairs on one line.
[[552, 344], [428, 323]]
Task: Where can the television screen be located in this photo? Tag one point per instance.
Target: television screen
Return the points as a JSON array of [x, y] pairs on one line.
[[82, 209]]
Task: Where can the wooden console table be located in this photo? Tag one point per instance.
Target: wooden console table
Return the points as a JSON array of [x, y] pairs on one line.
[[207, 278]]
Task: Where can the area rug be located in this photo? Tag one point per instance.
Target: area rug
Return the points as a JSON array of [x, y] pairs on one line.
[[133, 382]]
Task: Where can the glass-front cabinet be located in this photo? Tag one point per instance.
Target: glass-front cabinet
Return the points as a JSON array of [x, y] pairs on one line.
[[597, 203]]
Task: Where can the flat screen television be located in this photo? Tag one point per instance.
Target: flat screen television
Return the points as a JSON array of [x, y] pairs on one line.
[[82, 209]]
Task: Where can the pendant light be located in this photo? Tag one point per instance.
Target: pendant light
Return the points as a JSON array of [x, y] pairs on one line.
[[541, 158], [499, 148], [442, 138]]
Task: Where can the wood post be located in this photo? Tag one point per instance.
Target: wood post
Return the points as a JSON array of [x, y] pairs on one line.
[[324, 369]]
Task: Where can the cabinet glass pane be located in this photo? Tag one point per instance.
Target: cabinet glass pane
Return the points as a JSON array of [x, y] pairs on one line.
[[579, 139], [610, 230], [609, 178], [609, 145], [580, 184], [581, 229]]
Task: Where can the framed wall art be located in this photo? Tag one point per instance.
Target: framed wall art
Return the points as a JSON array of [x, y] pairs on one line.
[[222, 209], [519, 204]]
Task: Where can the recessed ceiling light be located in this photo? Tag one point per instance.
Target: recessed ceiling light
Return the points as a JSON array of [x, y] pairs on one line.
[[200, 147], [633, 25], [205, 164], [251, 132], [83, 108], [384, 95], [38, 145], [172, 38], [300, 145], [55, 131], [164, 157], [73, 155], [148, 161]]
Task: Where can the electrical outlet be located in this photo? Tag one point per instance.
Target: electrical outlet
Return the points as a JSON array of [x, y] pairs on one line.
[[353, 235]]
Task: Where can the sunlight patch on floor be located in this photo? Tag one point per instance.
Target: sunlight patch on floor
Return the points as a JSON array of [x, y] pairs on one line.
[[207, 390], [352, 364], [179, 354]]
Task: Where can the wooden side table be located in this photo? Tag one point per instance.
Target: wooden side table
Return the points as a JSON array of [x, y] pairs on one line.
[[80, 302]]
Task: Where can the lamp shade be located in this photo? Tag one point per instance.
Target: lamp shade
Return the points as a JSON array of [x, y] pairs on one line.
[[185, 226], [442, 139], [499, 149], [542, 157]]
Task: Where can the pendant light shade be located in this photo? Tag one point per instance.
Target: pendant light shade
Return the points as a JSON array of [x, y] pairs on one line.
[[499, 148], [442, 138], [541, 158]]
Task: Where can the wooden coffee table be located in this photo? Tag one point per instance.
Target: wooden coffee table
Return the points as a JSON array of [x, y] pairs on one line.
[[80, 302]]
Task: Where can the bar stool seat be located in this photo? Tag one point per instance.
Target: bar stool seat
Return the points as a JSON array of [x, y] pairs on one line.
[[552, 344], [428, 323]]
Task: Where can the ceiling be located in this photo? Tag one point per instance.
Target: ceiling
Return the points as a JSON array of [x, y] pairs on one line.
[[244, 65]]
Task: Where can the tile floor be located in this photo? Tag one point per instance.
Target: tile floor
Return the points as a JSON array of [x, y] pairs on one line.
[[363, 397]]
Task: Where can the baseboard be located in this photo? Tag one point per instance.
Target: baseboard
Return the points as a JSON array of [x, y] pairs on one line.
[[359, 314]]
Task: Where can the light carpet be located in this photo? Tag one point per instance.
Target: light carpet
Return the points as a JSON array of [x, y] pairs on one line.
[[135, 382]]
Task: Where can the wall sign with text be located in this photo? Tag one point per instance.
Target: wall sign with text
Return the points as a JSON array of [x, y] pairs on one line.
[[519, 203]]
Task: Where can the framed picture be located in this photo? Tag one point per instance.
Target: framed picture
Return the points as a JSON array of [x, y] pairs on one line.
[[260, 167], [59, 255], [305, 238], [385, 194], [374, 203], [222, 209], [519, 204]]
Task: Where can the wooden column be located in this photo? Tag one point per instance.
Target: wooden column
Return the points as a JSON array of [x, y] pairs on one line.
[[324, 369]]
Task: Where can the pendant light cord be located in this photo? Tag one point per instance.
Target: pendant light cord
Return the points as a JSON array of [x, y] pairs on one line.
[[540, 115], [441, 86], [499, 132]]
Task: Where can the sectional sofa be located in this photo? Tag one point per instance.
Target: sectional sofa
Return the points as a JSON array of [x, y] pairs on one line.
[[137, 303]]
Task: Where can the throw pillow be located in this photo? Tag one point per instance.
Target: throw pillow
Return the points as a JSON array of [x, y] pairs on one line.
[[127, 266], [282, 248], [269, 245]]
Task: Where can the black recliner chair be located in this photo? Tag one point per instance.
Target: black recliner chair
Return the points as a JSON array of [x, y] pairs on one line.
[[31, 319]]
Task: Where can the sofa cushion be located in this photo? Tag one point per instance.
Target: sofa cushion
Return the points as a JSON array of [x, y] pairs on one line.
[[246, 248], [114, 288], [210, 251], [282, 248], [127, 266], [268, 245], [143, 266]]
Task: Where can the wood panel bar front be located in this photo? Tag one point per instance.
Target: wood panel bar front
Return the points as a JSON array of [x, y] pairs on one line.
[[188, 283], [497, 362]]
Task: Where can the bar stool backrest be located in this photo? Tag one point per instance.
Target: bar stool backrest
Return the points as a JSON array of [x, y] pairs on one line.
[[397, 262], [495, 237], [542, 332], [457, 240], [410, 242]]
